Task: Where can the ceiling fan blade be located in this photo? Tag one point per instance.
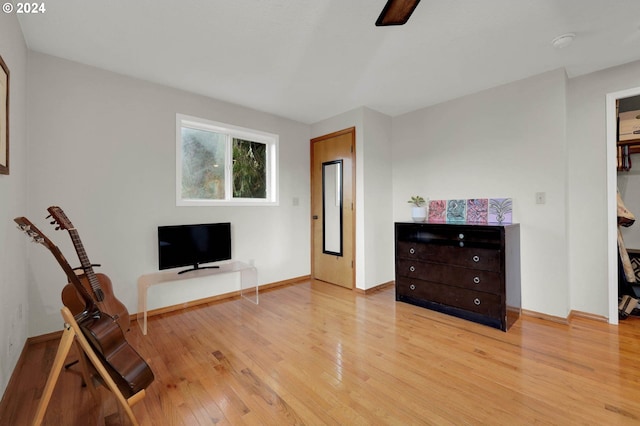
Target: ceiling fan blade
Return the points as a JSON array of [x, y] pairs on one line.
[[396, 12]]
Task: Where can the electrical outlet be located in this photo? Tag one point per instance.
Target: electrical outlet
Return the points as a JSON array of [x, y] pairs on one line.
[[541, 197]]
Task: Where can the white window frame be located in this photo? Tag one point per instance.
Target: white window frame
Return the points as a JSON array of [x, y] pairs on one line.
[[269, 139]]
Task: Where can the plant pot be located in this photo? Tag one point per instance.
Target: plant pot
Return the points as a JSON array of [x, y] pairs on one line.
[[419, 214]]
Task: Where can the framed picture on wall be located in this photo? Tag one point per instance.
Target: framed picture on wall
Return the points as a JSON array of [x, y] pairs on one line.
[[4, 118]]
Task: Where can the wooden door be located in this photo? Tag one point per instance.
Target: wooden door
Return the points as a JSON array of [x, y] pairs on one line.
[[332, 208]]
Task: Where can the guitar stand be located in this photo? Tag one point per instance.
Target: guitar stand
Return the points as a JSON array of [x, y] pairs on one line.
[[72, 332], [79, 271]]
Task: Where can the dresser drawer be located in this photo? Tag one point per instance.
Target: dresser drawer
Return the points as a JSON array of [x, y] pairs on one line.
[[474, 279], [474, 301], [470, 257], [445, 234]]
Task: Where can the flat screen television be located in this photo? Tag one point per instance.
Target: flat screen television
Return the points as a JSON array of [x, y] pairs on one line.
[[193, 245]]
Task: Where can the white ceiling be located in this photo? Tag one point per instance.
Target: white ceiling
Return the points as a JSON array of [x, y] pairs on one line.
[[311, 59]]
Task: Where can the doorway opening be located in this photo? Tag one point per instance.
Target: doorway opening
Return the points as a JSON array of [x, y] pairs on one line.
[[612, 180]]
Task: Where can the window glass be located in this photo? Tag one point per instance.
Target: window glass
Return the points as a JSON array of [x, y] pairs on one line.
[[219, 163], [203, 164], [249, 169]]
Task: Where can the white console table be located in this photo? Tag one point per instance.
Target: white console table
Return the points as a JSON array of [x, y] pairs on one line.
[[248, 283]]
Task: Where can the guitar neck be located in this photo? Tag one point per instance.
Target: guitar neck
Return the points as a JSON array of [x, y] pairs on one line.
[[84, 259], [25, 225]]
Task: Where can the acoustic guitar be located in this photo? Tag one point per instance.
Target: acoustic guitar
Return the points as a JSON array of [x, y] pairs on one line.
[[125, 366], [98, 285]]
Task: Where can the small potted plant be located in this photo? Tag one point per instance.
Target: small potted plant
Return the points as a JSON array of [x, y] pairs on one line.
[[419, 211]]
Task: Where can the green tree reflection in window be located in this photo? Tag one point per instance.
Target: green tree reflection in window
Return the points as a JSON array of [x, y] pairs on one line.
[[249, 169]]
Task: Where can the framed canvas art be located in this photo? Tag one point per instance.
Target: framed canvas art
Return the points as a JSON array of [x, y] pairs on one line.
[[437, 211], [456, 210], [477, 210], [500, 210]]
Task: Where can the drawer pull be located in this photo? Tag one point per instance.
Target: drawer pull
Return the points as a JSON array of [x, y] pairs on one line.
[[461, 236], [476, 301], [412, 250], [461, 244], [412, 287], [476, 280], [412, 268], [476, 259]]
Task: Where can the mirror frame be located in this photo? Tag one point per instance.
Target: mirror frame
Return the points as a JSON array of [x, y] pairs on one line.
[[325, 165]]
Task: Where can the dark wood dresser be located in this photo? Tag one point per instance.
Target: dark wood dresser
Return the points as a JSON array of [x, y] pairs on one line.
[[471, 271]]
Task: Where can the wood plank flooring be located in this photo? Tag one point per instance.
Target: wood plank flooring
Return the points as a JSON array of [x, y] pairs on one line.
[[318, 354]]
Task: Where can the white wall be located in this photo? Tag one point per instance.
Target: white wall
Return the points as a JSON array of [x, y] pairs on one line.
[[508, 141], [587, 178], [14, 307], [102, 146], [378, 245]]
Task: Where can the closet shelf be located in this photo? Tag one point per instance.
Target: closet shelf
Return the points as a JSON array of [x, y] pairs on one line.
[[634, 145], [625, 150], [630, 142]]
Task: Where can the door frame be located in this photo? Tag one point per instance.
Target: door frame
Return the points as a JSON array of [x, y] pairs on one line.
[[352, 131], [612, 181]]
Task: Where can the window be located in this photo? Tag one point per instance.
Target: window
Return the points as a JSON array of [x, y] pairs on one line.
[[221, 164]]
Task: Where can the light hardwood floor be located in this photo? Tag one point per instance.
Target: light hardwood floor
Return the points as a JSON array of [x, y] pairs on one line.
[[318, 354]]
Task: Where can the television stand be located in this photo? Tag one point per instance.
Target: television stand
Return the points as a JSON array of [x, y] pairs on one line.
[[197, 268], [248, 283]]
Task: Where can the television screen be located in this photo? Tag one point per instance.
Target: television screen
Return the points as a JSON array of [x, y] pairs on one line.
[[193, 245]]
